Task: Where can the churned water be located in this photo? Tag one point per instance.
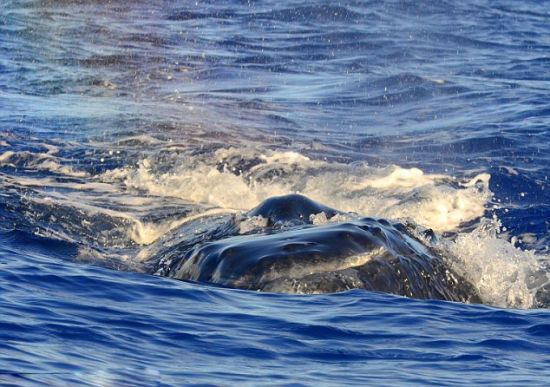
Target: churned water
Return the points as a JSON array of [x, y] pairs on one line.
[[134, 134]]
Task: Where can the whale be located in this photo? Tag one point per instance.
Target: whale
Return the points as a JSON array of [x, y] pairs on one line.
[[293, 208], [290, 254]]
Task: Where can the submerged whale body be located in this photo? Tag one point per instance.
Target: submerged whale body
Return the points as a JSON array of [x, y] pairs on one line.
[[371, 254]]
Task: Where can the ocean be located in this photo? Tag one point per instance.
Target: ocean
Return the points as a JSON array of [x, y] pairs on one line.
[[146, 149]]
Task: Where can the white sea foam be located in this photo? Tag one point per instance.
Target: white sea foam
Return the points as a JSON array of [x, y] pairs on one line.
[[40, 161], [56, 167], [504, 275], [435, 201]]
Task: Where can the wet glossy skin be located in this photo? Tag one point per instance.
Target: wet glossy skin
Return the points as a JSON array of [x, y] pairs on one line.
[[371, 254]]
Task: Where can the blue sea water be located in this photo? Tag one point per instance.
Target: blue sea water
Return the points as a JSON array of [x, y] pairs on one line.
[[121, 122]]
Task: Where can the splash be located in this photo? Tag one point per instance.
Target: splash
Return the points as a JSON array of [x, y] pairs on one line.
[[240, 180], [503, 274]]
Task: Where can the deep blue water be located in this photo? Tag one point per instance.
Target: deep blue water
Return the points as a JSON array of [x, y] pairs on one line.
[[123, 123]]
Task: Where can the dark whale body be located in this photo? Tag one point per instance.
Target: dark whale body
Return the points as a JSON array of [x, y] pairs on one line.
[[290, 208], [367, 253]]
